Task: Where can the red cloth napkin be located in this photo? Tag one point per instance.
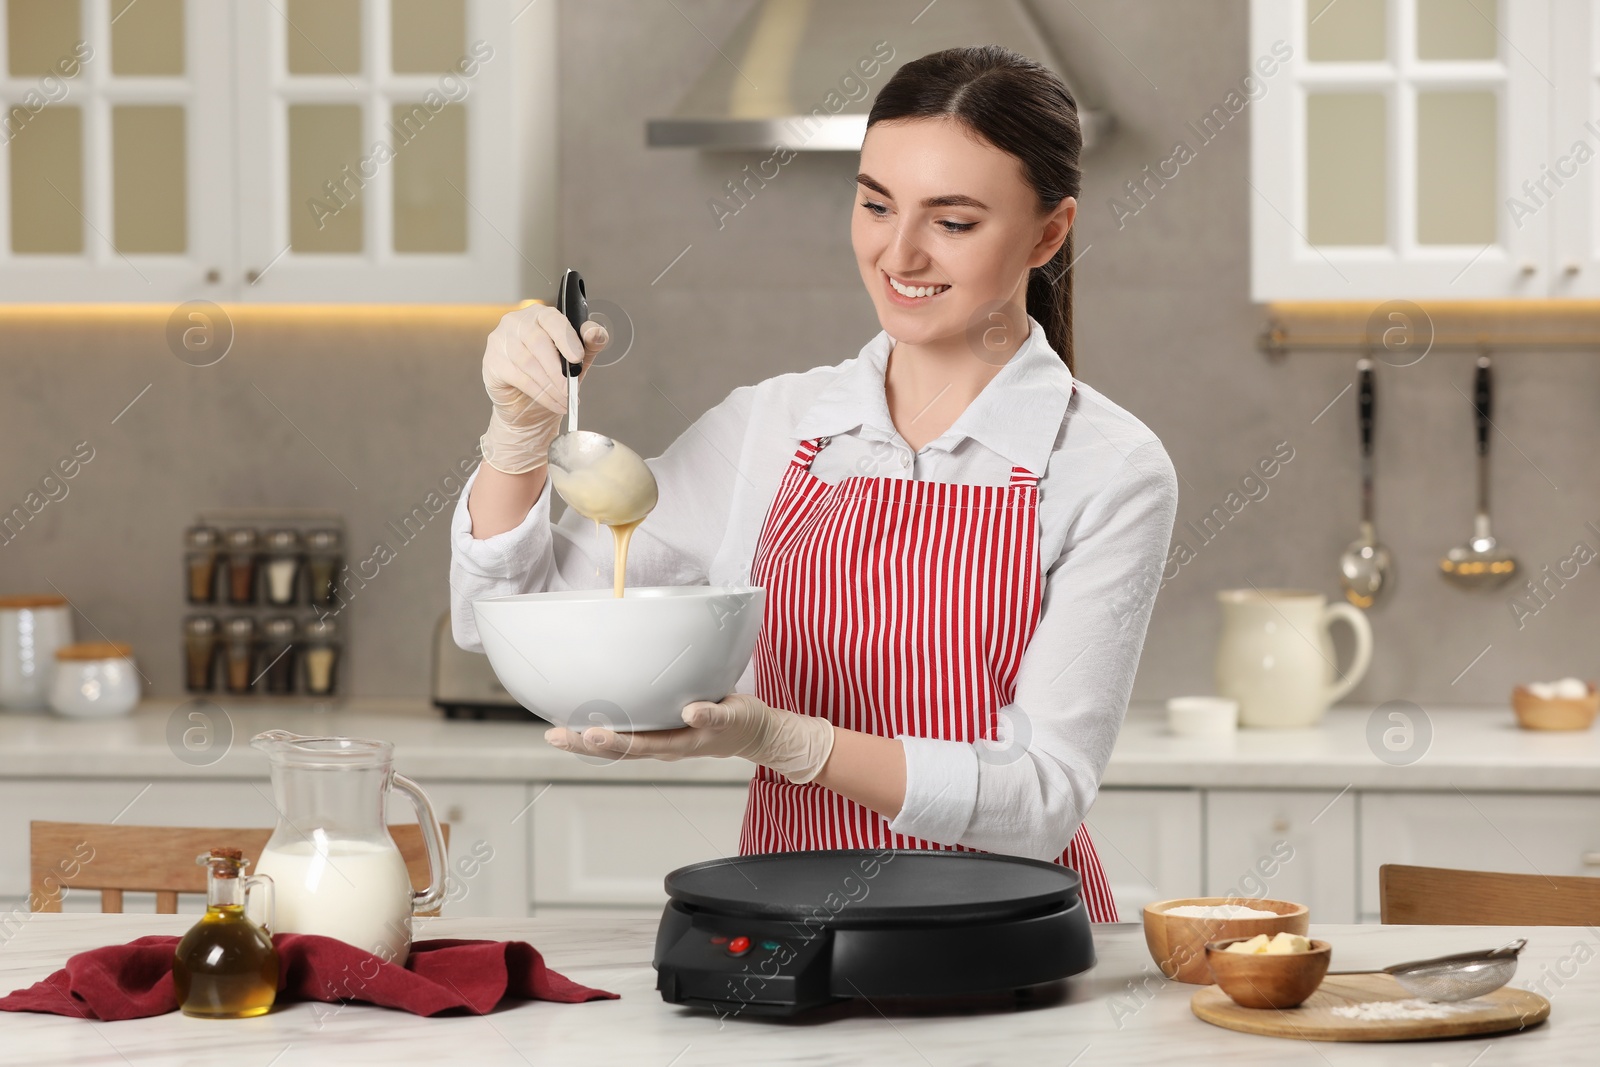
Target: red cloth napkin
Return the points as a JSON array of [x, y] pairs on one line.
[[133, 981]]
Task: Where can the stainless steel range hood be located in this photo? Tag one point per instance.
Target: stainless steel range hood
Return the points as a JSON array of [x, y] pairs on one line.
[[796, 72]]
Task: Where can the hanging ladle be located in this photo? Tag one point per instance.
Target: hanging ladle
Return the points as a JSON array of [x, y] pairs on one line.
[[601, 479], [1461, 976], [1365, 566], [1480, 563]]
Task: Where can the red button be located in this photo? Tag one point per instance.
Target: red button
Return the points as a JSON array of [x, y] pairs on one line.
[[719, 940], [738, 946]]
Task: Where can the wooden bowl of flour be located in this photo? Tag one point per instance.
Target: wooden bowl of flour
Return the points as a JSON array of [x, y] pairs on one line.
[[1178, 942]]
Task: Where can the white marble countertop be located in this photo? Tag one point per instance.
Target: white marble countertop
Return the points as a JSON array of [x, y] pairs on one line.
[[1097, 1019], [1468, 747]]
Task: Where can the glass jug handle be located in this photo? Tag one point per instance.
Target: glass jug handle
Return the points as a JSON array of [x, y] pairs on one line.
[[432, 839], [248, 886]]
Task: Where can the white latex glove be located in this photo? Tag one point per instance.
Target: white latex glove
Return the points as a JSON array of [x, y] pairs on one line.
[[796, 746], [522, 375]]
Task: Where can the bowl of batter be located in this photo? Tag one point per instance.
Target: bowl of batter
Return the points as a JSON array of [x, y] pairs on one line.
[[586, 657]]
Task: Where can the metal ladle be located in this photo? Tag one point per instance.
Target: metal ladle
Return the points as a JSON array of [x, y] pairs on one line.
[[1461, 976], [576, 451], [1480, 563], [1365, 565]]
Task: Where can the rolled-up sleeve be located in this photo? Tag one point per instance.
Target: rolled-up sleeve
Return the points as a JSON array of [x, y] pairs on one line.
[[673, 546], [1026, 792]]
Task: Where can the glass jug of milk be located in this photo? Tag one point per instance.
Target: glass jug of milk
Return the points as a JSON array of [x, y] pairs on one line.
[[335, 869]]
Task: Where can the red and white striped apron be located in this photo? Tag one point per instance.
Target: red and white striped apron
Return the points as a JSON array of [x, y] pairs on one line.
[[893, 606]]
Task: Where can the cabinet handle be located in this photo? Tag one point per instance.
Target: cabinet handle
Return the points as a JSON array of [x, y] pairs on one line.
[[1591, 859], [1571, 269], [213, 276], [454, 813], [251, 276], [1529, 269], [1280, 825]]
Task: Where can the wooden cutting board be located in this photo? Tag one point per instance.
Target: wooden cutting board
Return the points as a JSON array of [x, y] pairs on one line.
[[1505, 1009]]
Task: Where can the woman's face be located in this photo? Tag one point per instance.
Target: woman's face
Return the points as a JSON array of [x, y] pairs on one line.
[[936, 207]]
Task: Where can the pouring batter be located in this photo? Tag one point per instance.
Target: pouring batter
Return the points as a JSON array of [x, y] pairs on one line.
[[960, 541], [607, 482]]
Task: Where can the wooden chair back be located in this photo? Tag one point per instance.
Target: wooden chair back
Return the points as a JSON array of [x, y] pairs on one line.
[[157, 859], [1439, 896]]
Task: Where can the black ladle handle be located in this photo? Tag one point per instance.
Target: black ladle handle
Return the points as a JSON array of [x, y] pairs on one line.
[[1481, 392], [574, 304], [1366, 400]]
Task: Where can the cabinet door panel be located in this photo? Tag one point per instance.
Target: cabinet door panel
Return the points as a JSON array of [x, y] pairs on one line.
[[601, 845], [388, 175], [1549, 834], [1286, 846], [1148, 841], [489, 830], [116, 152]]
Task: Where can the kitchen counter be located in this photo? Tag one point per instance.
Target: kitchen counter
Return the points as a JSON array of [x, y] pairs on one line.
[[1470, 748], [1120, 1012]]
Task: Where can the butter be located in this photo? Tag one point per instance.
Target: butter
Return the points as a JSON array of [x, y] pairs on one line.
[[1285, 944], [1279, 944]]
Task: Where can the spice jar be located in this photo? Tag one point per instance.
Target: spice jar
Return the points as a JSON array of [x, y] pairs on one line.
[[281, 577], [278, 654], [319, 657], [238, 643], [323, 551], [201, 642], [242, 544], [200, 560]]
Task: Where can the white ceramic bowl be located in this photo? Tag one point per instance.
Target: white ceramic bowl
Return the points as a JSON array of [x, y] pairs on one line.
[[1202, 716], [94, 688], [583, 657]]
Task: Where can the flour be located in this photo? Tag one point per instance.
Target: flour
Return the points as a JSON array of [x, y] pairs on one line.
[[1220, 911], [1413, 1008]]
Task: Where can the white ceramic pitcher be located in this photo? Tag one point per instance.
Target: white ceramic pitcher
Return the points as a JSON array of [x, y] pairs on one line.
[[1276, 657]]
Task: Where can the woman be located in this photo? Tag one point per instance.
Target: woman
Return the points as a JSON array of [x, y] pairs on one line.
[[960, 543]]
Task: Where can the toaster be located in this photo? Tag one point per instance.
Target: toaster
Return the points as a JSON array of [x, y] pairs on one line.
[[464, 686]]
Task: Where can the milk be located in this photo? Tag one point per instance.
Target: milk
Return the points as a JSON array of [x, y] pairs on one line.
[[356, 891]]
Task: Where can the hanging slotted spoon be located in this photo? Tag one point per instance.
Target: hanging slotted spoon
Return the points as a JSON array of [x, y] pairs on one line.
[[1480, 563]]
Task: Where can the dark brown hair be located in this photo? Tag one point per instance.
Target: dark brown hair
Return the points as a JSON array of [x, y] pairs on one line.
[[1023, 109]]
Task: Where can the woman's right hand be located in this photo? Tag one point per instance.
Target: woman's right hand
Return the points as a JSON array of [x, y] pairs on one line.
[[522, 374]]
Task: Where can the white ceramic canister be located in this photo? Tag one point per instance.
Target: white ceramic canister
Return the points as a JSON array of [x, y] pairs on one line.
[[94, 680], [32, 627]]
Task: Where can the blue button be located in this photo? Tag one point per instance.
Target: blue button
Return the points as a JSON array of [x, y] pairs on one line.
[[770, 946]]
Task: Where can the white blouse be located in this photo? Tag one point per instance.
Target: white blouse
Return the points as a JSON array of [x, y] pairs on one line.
[[1108, 500]]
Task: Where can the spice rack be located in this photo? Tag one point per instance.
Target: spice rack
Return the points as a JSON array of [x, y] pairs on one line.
[[264, 618]]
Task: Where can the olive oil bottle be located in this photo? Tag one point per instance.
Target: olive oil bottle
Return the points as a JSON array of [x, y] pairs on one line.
[[225, 967]]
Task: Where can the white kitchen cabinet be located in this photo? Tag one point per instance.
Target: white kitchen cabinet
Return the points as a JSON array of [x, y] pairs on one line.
[[259, 150], [1285, 846], [1549, 834], [489, 837], [1149, 842], [1391, 140], [611, 845]]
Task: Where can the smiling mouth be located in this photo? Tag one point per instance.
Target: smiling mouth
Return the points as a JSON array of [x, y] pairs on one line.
[[914, 292]]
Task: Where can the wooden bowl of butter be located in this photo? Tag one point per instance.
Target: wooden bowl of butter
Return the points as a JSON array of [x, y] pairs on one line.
[[1280, 971], [1177, 931]]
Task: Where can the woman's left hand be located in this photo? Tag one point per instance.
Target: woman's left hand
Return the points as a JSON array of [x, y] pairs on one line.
[[796, 746]]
